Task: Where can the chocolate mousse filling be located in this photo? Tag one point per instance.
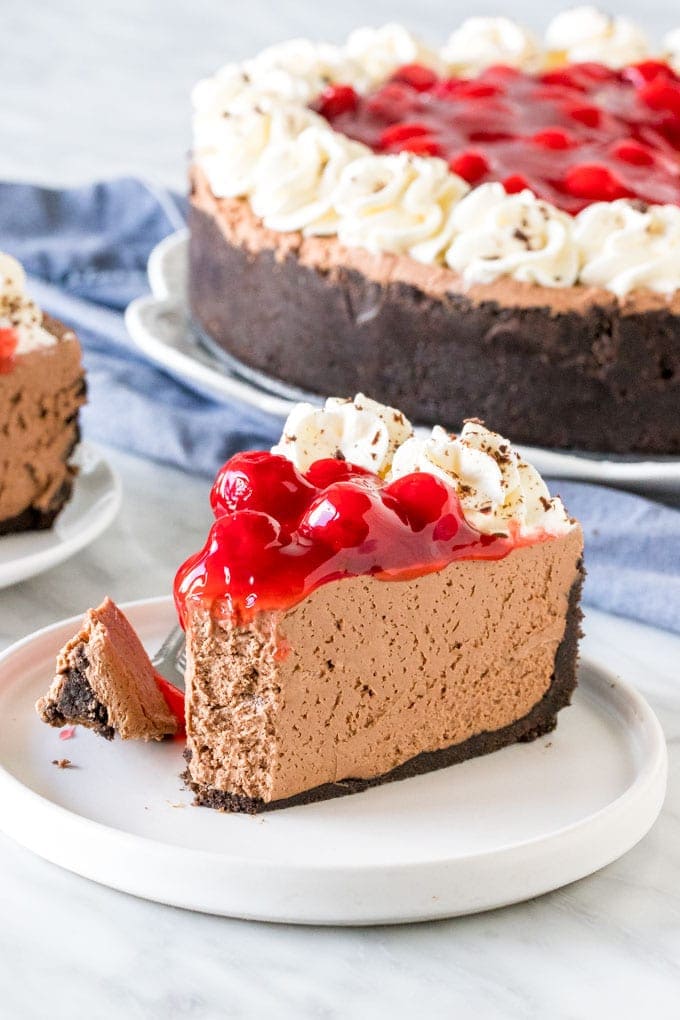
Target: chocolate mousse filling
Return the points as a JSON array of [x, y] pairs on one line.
[[540, 720], [368, 682], [328, 319], [40, 397]]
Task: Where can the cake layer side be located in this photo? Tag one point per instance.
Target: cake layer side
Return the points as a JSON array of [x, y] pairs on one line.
[[364, 675], [613, 373], [42, 395], [540, 720]]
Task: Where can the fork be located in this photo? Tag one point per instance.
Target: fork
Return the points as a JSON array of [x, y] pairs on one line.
[[171, 658]]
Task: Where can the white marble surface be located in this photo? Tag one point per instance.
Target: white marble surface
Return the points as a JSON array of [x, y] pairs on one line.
[[98, 90], [606, 946]]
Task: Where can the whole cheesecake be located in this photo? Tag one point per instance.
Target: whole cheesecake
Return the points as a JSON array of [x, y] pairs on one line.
[[42, 387], [369, 606], [454, 231]]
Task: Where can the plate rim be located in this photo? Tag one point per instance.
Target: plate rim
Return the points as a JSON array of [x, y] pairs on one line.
[[647, 787], [32, 564]]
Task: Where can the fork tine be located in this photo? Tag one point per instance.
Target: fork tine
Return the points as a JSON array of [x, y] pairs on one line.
[[170, 659]]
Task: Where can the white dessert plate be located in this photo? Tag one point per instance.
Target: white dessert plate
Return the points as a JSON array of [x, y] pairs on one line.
[[95, 502], [159, 325], [483, 834]]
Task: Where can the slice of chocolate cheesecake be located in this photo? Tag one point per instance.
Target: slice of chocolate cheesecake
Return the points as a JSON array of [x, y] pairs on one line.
[[42, 387], [106, 682], [371, 605]]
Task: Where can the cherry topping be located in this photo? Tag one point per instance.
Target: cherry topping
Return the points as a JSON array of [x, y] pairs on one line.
[[343, 522], [9, 342], [535, 130], [174, 699], [661, 94], [420, 498], [336, 99], [337, 517], [470, 165], [324, 472], [598, 183], [515, 183], [396, 133], [554, 138], [646, 71], [422, 145], [257, 480], [633, 152], [418, 77]]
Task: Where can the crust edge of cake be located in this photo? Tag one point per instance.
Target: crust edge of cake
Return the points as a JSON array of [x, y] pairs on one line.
[[542, 719]]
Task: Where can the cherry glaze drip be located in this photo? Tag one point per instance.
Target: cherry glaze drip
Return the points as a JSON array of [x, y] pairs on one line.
[[279, 534], [9, 342], [577, 135]]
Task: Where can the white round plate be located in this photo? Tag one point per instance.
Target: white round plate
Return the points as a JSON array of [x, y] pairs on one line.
[[159, 325], [94, 504], [488, 832]]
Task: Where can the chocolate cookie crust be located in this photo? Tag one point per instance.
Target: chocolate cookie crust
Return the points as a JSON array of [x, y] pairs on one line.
[[602, 377], [540, 720]]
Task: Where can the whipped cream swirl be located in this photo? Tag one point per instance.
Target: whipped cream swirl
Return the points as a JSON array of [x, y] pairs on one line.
[[294, 184], [380, 51], [587, 34], [18, 311], [496, 487], [626, 246], [512, 235], [361, 431], [482, 42], [400, 204]]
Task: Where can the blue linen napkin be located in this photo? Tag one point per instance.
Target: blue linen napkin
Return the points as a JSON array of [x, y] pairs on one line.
[[86, 250]]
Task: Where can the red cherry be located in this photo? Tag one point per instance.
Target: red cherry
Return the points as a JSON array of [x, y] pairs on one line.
[[471, 165], [418, 77], [257, 480], [478, 90], [502, 71], [554, 138], [633, 152], [449, 88], [661, 94], [393, 102], [9, 341], [336, 99], [564, 76], [423, 145], [420, 498], [647, 70], [337, 517], [516, 183], [595, 182], [585, 114], [246, 534], [400, 132], [323, 473]]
